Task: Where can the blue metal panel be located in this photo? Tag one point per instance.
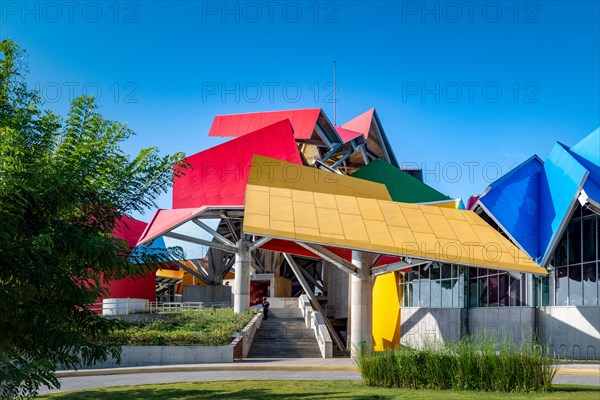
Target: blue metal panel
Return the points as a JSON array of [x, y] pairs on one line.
[[592, 190], [513, 201], [587, 153], [562, 179]]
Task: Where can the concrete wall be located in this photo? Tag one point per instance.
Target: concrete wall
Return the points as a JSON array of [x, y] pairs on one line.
[[515, 324], [136, 356], [250, 330], [314, 320], [428, 326], [565, 332], [337, 290], [283, 302], [571, 332], [207, 294]]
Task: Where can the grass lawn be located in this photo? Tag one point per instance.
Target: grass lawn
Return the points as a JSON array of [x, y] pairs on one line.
[[264, 389]]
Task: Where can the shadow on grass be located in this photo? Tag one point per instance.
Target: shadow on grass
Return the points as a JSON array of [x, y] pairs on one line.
[[157, 393], [572, 388]]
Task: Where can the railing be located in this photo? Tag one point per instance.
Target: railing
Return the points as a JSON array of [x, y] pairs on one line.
[[314, 320], [154, 307], [163, 307]]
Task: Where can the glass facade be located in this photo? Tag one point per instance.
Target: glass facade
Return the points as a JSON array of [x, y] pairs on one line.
[[436, 285], [493, 288], [574, 281]]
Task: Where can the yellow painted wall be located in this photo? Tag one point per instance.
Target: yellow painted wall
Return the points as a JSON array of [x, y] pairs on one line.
[[386, 311]]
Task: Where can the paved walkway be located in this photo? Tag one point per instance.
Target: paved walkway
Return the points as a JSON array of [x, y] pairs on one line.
[[277, 369]]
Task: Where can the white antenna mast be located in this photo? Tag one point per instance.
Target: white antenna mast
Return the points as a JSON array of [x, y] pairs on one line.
[[334, 96]]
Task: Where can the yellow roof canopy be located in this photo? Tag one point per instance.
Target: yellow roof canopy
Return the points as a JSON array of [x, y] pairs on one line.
[[376, 225], [277, 174]]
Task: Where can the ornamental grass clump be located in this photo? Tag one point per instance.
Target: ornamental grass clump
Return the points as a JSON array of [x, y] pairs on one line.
[[468, 364]]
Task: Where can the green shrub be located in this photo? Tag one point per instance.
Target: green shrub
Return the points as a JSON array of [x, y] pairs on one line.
[[205, 327], [464, 365]]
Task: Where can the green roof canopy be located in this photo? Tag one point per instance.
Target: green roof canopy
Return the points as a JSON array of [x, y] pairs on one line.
[[401, 185]]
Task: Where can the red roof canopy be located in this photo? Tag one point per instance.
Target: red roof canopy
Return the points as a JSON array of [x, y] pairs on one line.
[[166, 220], [219, 174], [235, 125]]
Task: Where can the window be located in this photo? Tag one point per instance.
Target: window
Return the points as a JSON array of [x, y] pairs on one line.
[[590, 284], [434, 285], [562, 286], [574, 281], [493, 288], [589, 239]]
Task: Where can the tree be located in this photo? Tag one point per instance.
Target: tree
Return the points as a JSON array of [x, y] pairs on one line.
[[63, 185]]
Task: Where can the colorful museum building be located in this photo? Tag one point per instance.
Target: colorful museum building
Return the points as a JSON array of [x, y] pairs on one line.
[[292, 205]]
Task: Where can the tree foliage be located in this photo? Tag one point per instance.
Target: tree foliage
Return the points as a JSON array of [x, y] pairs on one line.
[[63, 185]]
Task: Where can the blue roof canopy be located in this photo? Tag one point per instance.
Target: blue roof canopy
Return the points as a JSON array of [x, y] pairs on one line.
[[533, 203]]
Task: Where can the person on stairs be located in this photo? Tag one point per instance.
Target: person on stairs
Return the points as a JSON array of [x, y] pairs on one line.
[[265, 306]]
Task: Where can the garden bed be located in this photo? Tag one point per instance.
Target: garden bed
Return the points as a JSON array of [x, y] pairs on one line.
[[188, 337], [204, 327]]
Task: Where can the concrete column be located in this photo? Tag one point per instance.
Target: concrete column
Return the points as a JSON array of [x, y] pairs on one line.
[[241, 300], [361, 303]]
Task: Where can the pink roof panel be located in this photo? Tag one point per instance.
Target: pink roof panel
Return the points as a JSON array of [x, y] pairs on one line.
[[346, 134], [360, 124]]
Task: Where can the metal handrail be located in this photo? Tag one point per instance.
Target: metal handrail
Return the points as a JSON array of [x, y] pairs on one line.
[[162, 306]]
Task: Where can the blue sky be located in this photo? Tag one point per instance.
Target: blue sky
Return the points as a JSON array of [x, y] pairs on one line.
[[464, 90]]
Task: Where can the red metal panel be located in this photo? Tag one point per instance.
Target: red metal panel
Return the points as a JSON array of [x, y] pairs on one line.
[[235, 125], [142, 287], [219, 174], [165, 220], [285, 246], [346, 134], [129, 229], [361, 124]]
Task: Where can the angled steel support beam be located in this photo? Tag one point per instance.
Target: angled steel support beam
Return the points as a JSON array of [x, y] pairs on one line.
[[313, 300], [331, 152], [216, 234], [255, 245], [228, 266], [201, 242], [382, 269], [363, 150], [231, 227], [258, 263], [331, 257], [191, 271], [341, 160], [310, 278]]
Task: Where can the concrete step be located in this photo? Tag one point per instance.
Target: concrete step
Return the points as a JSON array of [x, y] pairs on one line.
[[284, 335], [285, 313]]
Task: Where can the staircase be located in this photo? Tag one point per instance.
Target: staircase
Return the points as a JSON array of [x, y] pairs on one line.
[[284, 335]]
